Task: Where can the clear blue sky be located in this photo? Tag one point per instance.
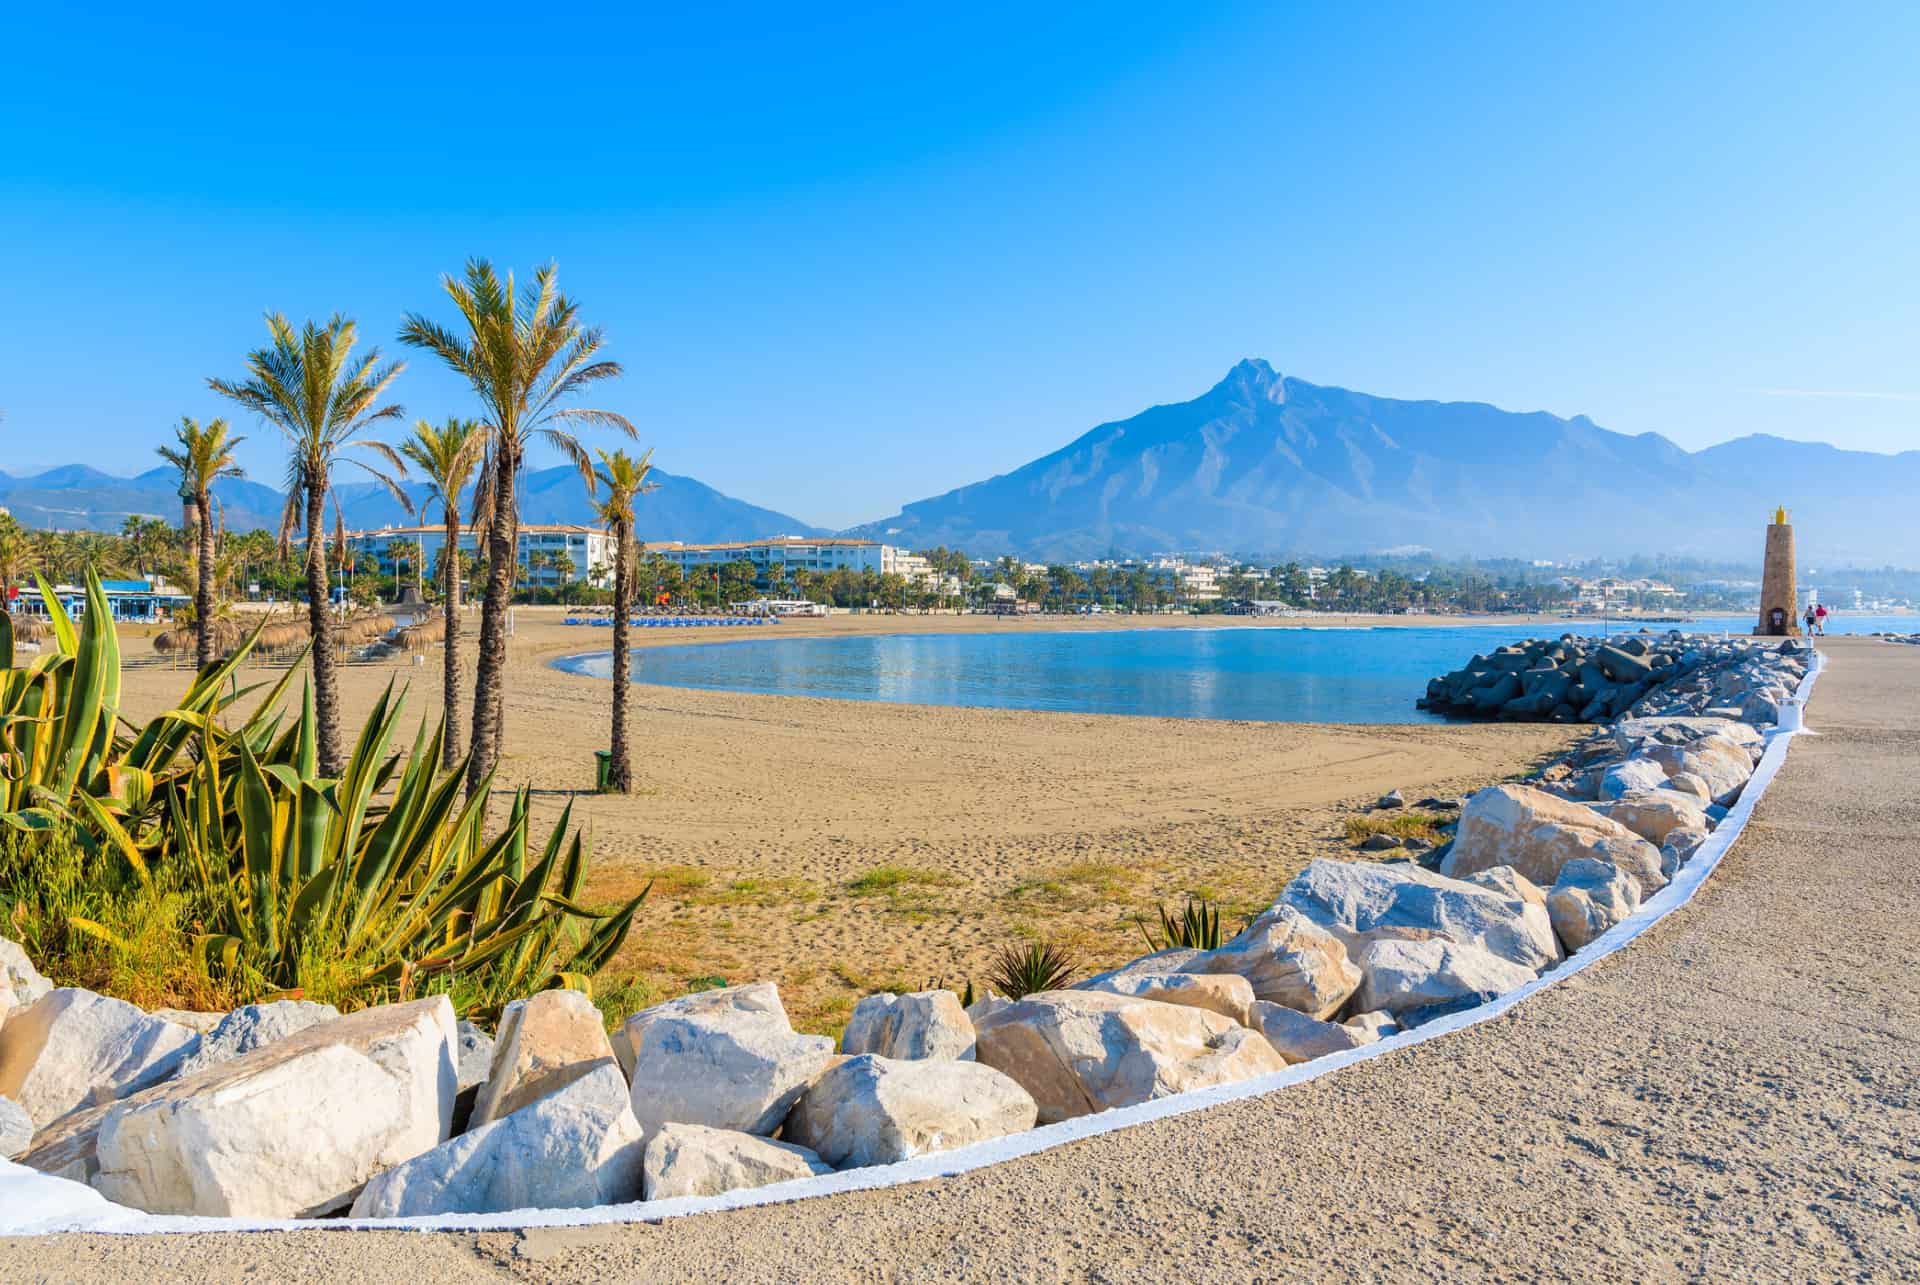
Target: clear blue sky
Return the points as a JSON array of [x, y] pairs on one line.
[[850, 261]]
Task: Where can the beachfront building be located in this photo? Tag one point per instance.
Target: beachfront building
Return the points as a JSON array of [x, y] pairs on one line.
[[551, 553], [144, 601], [786, 554]]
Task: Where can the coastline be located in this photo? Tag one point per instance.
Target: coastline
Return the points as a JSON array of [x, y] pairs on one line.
[[837, 847]]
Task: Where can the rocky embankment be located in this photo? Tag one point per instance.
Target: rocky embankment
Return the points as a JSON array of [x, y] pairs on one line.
[[1595, 680], [292, 1110]]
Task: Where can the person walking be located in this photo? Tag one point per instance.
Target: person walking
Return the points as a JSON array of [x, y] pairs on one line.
[[1820, 620], [1813, 620]]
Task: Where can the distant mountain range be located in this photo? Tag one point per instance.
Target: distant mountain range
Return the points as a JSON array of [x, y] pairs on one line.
[[1257, 465], [76, 497], [1262, 464]]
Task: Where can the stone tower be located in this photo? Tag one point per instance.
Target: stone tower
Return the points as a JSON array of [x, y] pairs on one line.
[[1779, 596]]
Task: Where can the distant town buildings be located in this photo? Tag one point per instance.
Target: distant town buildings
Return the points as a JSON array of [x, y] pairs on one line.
[[551, 553]]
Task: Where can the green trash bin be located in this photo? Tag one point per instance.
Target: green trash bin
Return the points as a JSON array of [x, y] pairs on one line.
[[602, 770]]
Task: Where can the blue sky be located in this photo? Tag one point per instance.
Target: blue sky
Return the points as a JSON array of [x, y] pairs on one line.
[[851, 261]]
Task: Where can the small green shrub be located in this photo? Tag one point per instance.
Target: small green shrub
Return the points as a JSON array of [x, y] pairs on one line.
[[1023, 970], [1402, 825], [1197, 928]]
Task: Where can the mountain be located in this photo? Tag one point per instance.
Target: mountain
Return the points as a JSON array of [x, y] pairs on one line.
[[77, 497], [1269, 465], [679, 508]]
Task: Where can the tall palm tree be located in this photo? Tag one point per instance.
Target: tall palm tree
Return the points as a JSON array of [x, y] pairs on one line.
[[623, 478], [447, 457], [202, 456], [525, 354], [308, 384]]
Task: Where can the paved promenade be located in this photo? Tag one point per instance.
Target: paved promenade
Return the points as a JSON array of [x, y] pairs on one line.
[[1734, 1097]]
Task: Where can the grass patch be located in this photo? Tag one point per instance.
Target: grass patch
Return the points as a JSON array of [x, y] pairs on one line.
[[764, 890], [1080, 886], [886, 879], [672, 881], [1401, 825]]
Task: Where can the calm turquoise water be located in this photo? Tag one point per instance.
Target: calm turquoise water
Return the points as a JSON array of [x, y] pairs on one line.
[[1274, 675]]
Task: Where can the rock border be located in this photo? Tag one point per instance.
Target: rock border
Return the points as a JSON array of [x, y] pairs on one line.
[[33, 1203]]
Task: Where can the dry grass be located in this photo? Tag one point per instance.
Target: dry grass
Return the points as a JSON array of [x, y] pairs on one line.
[[1401, 825]]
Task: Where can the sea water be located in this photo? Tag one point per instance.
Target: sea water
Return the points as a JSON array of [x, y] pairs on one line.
[[1321, 675]]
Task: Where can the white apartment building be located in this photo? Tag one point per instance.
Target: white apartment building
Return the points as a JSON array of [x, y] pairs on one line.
[[588, 551]]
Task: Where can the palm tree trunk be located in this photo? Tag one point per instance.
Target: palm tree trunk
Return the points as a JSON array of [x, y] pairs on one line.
[[326, 664], [203, 583], [620, 774], [490, 672], [450, 675]]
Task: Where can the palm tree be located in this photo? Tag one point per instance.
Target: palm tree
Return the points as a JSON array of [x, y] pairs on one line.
[[525, 355], [624, 478], [308, 385], [203, 456], [447, 457]]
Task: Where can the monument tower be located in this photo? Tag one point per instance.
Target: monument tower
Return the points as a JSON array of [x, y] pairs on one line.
[[1779, 597]]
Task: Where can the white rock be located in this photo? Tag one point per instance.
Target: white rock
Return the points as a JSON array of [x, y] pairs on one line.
[[1402, 976], [1373, 1026], [16, 1129], [1509, 883], [693, 1160], [1679, 848], [1590, 897], [289, 1130], [1299, 1038], [1289, 960], [726, 1058], [1719, 761], [1688, 784], [1653, 814], [575, 1146], [543, 1042], [20, 981], [1078, 1052], [1536, 834], [1629, 776], [73, 1048], [871, 1110], [923, 1024], [1360, 902], [476, 1055], [1227, 994], [193, 1019], [254, 1026]]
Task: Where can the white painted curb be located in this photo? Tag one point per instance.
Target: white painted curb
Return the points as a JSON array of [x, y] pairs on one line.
[[32, 1203]]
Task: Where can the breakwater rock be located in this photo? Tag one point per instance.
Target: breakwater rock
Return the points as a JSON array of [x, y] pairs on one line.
[[1595, 680]]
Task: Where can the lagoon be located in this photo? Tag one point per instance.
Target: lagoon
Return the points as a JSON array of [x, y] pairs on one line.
[[1324, 675]]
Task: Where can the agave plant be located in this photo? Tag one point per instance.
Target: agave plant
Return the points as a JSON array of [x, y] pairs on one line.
[[1197, 928], [380, 878], [1022, 970]]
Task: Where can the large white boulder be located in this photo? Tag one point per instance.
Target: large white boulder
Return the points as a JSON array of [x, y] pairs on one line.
[[1536, 834], [923, 1024], [1631, 775], [1227, 994], [1360, 902], [693, 1160], [73, 1048], [727, 1058], [1654, 814], [574, 1146], [1722, 763], [1078, 1052], [1590, 897], [254, 1026], [21, 984], [870, 1110], [543, 1042], [1403, 976], [293, 1129], [16, 1129], [1288, 959], [1299, 1038]]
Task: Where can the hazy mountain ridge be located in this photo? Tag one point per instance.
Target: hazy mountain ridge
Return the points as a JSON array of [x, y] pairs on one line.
[[78, 497], [1265, 464]]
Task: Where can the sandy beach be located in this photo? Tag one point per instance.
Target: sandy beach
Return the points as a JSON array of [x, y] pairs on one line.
[[839, 847]]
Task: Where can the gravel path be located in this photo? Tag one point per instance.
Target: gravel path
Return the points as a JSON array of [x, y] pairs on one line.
[[1733, 1097]]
